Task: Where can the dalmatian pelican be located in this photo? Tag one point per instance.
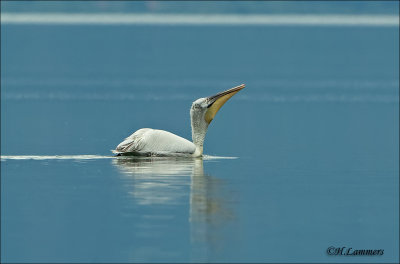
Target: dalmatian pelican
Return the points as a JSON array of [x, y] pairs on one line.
[[154, 142]]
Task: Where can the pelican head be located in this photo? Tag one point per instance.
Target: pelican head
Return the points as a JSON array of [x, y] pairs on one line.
[[203, 111]]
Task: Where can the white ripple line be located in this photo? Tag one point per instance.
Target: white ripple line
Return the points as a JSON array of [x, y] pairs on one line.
[[263, 97], [54, 157], [199, 19], [85, 157]]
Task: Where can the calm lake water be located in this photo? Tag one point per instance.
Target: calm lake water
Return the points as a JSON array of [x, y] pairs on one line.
[[313, 136]]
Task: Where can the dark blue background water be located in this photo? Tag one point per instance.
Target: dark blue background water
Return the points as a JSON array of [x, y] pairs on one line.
[[315, 132]]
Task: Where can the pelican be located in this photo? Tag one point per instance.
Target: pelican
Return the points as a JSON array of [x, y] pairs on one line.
[[154, 142]]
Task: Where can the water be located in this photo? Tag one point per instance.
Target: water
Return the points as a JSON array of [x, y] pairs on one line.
[[313, 141]]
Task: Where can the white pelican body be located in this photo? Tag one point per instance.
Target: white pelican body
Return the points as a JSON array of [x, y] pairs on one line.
[[154, 142]]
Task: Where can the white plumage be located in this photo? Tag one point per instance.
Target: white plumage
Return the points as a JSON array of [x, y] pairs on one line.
[[154, 142], [149, 141]]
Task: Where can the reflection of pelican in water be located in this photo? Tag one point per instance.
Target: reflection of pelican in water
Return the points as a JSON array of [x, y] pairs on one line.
[[154, 142], [162, 181], [156, 180]]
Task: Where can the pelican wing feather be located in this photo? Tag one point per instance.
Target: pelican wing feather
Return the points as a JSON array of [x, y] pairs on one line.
[[155, 142]]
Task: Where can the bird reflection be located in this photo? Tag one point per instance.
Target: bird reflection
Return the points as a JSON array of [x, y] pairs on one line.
[[155, 181], [162, 181]]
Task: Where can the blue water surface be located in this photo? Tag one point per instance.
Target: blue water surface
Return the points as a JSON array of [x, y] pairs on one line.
[[314, 135]]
